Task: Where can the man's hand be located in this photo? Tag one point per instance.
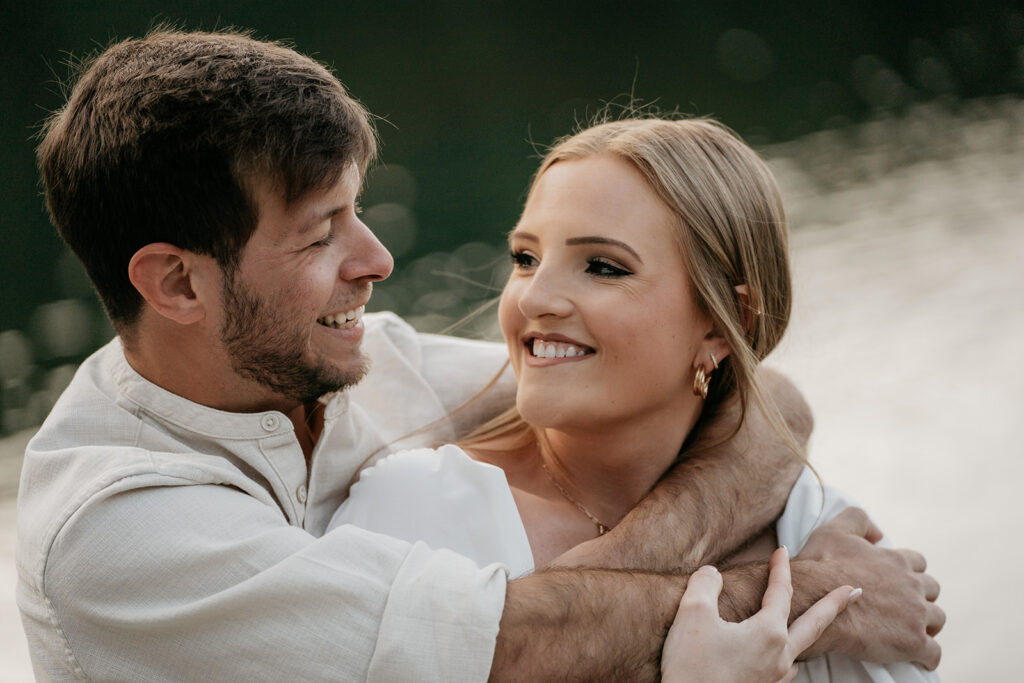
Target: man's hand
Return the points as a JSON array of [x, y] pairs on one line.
[[897, 618]]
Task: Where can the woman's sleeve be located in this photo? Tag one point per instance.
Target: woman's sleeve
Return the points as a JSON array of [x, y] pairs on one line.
[[810, 505], [442, 498]]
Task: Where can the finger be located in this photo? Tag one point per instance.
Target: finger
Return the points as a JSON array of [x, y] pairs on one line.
[[936, 620], [930, 586], [702, 590], [806, 630], [872, 534], [777, 597], [914, 559], [856, 521], [932, 655]]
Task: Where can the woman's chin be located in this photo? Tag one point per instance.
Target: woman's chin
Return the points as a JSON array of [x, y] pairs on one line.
[[546, 414]]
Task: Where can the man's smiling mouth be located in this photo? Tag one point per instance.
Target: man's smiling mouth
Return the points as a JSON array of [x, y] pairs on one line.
[[343, 321]]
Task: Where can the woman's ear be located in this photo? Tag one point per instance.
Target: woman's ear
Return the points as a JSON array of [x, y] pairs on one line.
[[162, 273], [713, 350]]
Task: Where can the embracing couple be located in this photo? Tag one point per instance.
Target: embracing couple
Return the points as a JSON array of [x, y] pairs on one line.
[[256, 481]]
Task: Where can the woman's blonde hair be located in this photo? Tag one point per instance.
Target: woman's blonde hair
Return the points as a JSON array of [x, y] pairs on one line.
[[731, 229]]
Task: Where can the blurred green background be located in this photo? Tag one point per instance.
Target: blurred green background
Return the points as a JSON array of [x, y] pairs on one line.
[[466, 93]]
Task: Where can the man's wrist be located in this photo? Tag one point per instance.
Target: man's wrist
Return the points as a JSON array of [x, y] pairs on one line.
[[812, 580]]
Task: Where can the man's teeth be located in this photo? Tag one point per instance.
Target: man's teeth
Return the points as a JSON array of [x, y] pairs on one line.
[[344, 320], [543, 349]]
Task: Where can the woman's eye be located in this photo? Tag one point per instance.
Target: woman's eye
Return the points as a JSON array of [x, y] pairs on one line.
[[602, 268], [522, 259]]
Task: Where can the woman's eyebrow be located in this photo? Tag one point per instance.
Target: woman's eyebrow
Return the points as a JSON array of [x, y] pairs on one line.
[[603, 240], [515, 233]]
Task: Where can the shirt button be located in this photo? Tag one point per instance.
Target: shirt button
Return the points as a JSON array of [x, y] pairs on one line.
[[269, 422], [300, 494]]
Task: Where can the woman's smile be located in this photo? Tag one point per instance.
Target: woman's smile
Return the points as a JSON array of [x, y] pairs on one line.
[[543, 350]]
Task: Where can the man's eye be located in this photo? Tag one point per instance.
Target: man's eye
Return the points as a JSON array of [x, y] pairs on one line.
[[326, 241], [522, 259], [602, 268]]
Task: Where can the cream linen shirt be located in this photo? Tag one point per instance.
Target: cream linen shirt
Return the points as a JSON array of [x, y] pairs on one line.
[[161, 540]]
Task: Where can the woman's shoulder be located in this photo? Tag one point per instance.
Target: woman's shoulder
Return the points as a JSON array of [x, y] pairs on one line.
[[444, 498], [811, 503], [415, 462]]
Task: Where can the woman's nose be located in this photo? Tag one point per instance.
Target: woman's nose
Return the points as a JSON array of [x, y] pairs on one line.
[[545, 294]]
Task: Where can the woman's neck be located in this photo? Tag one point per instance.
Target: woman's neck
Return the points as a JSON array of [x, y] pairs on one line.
[[610, 469], [606, 469]]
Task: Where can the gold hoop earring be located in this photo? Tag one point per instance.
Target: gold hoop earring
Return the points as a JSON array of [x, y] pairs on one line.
[[701, 380], [714, 361]]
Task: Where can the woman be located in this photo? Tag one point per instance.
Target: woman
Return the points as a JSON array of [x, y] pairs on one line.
[[650, 276]]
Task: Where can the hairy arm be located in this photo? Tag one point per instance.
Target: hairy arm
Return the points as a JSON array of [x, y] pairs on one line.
[[731, 486], [600, 624]]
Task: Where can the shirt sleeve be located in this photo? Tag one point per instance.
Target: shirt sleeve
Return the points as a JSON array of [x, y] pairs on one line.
[[205, 582], [468, 380], [460, 369], [810, 505]]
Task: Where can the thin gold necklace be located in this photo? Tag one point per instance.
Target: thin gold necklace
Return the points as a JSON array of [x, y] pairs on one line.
[[602, 528]]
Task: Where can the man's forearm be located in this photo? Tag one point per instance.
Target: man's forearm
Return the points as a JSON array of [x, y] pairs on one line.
[[581, 624], [595, 624], [732, 484]]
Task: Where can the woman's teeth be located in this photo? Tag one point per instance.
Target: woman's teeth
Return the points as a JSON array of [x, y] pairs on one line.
[[543, 349], [344, 320]]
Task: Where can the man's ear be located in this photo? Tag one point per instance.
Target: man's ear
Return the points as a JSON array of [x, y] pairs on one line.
[[162, 273], [746, 309]]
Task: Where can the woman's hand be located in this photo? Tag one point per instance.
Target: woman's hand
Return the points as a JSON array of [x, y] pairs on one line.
[[702, 647]]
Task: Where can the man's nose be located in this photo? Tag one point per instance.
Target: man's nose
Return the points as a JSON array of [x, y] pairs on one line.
[[369, 259]]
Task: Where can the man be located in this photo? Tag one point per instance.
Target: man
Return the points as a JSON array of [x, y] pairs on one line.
[[173, 506]]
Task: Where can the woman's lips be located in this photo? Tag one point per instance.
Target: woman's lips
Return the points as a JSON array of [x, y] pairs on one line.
[[555, 347]]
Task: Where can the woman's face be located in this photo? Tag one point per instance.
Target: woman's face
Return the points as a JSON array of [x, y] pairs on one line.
[[598, 314]]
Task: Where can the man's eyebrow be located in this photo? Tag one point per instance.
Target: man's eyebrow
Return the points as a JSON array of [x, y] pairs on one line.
[[594, 239], [319, 217]]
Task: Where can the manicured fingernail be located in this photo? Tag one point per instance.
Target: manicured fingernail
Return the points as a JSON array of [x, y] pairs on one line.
[[785, 547], [710, 569], [855, 594]]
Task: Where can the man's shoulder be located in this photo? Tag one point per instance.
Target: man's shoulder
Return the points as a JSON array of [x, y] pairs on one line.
[[389, 337]]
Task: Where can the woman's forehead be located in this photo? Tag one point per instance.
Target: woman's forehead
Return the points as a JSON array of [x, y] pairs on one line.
[[603, 195]]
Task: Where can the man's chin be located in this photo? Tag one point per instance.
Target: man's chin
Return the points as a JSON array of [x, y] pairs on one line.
[[334, 378]]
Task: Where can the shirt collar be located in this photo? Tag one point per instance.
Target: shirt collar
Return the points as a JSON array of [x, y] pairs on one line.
[[200, 419]]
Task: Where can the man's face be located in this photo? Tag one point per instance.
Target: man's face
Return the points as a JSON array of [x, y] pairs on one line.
[[292, 310]]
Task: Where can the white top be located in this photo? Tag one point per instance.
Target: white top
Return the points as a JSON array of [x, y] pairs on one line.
[[160, 540], [446, 499]]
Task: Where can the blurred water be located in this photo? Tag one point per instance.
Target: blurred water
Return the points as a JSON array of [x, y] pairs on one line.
[[908, 239]]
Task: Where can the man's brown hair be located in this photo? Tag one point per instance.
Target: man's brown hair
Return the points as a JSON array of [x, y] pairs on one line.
[[162, 138]]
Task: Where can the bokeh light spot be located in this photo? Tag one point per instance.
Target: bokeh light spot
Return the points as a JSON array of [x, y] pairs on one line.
[[744, 56]]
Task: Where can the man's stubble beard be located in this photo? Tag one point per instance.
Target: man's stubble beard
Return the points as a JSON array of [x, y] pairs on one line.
[[268, 350]]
